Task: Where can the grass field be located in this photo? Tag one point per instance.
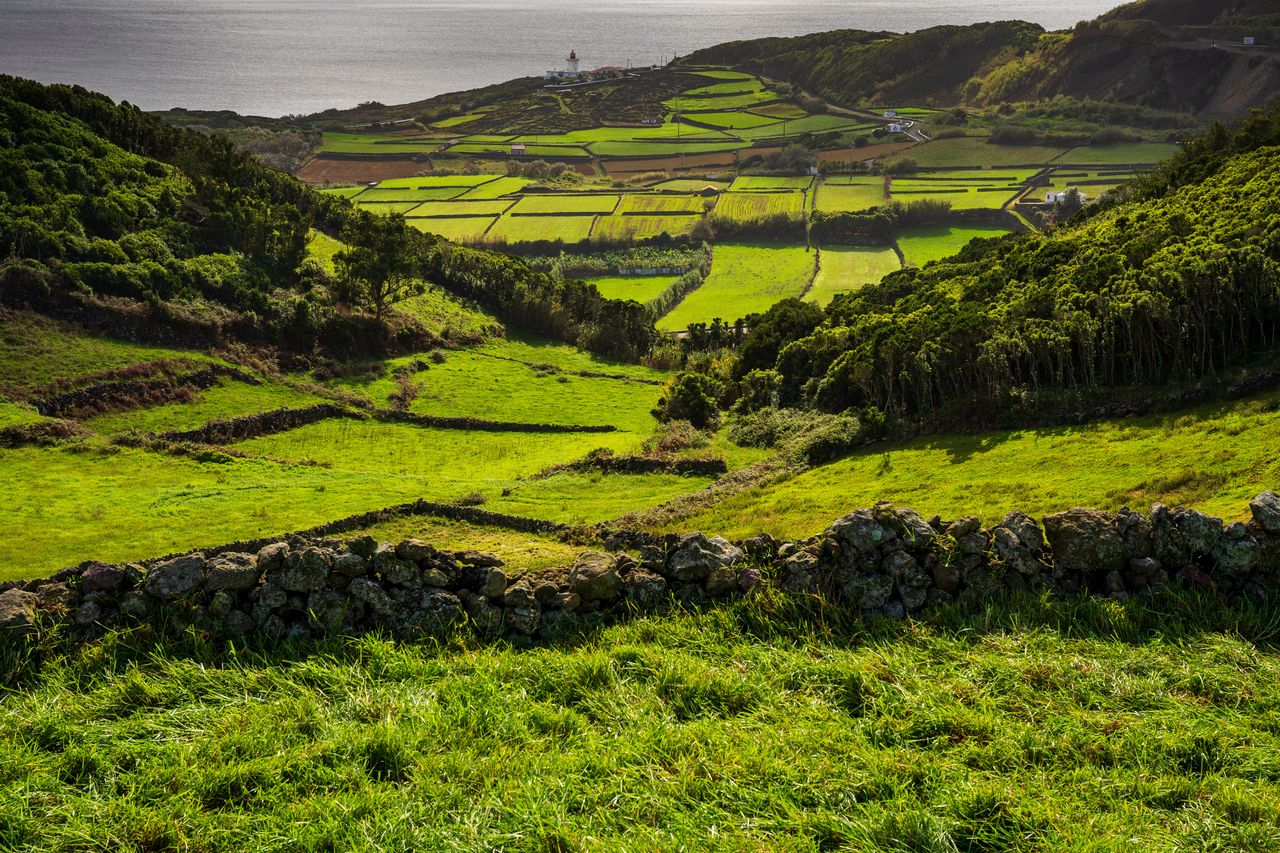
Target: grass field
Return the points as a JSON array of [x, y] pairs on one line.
[[1215, 458], [357, 143], [388, 207], [565, 203], [688, 185], [734, 120], [497, 188], [750, 206], [746, 278], [592, 497], [641, 203], [1094, 726], [925, 243], [461, 208], [794, 128], [523, 229], [640, 288], [970, 151], [430, 182], [626, 148], [718, 103], [845, 268], [959, 196], [457, 120], [637, 227], [836, 198], [745, 183], [323, 247], [1125, 154], [227, 399], [463, 229]]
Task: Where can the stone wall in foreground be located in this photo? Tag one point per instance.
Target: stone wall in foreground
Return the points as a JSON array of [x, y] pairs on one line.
[[884, 561]]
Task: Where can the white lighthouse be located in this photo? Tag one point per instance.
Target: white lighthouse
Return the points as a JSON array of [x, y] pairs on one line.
[[571, 70]]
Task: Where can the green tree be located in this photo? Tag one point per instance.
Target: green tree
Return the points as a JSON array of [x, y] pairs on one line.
[[690, 397], [382, 264]]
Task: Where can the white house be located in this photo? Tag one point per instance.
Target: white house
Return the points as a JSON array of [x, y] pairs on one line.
[[569, 72], [897, 127], [518, 149], [890, 113], [1059, 198], [1250, 41]]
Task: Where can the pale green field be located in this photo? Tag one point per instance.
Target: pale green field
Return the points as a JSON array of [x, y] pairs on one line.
[[1124, 154], [523, 229], [636, 227], [640, 288], [462, 229], [751, 206], [745, 183], [227, 399], [969, 151], [746, 278], [845, 268], [461, 208], [565, 203], [923, 244], [1215, 458], [643, 203], [838, 198]]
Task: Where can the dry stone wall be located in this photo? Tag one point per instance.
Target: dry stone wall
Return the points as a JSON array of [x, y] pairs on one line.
[[884, 561]]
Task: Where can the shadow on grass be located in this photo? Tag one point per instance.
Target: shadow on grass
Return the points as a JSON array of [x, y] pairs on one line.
[[772, 617]]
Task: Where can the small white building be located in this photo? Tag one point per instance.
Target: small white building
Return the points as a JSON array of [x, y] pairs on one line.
[[890, 113], [518, 149], [897, 127], [1250, 41], [1060, 198], [569, 72]]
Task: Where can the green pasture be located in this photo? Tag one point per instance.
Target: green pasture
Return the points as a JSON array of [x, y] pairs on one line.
[[525, 229], [641, 203], [640, 288], [834, 197], [733, 87], [720, 103], [688, 185], [461, 208], [457, 120], [926, 243], [418, 194], [592, 497], [229, 398], [752, 206], [734, 120], [845, 268], [640, 226], [1214, 458], [745, 183], [343, 192], [497, 188], [521, 551], [725, 74], [746, 278], [658, 148], [320, 245], [959, 196], [365, 143], [449, 463], [780, 109], [388, 207], [1123, 154], [970, 151], [1031, 723], [426, 182], [461, 229], [18, 415], [791, 128], [565, 203]]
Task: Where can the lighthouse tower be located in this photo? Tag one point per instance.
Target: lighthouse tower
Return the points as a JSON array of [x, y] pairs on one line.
[[572, 67]]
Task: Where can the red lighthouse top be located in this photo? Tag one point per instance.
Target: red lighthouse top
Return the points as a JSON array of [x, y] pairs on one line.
[[573, 55]]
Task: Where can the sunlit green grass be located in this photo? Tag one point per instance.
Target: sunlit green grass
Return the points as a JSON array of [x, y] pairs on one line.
[[922, 244], [641, 288], [745, 278], [1215, 458], [229, 398], [1032, 726], [845, 268], [593, 496]]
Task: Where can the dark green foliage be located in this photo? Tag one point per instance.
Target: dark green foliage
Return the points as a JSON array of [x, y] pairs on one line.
[[690, 397], [103, 199], [1178, 283], [770, 332]]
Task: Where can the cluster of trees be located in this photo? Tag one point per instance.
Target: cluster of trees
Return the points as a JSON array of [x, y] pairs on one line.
[[107, 200], [1179, 282]]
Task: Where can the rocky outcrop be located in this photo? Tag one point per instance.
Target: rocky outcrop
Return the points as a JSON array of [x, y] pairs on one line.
[[883, 561]]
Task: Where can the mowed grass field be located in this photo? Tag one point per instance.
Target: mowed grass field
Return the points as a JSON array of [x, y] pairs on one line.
[[523, 229], [640, 288], [746, 278], [835, 197], [752, 206], [1215, 458], [923, 244], [1034, 724], [845, 268], [461, 229], [640, 227], [976, 151], [565, 203]]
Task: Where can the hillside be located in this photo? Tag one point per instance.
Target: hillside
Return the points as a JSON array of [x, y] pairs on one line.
[[1176, 55]]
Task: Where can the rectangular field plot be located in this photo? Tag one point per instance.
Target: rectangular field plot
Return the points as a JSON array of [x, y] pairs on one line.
[[592, 497], [689, 185], [959, 196], [454, 461], [344, 192], [497, 188], [227, 399], [728, 87], [131, 504], [527, 229], [839, 198], [377, 194], [462, 208], [845, 268], [781, 109], [641, 226], [750, 206], [459, 229], [385, 207], [807, 124], [746, 183], [361, 143], [638, 203], [968, 151], [746, 278], [734, 119], [457, 120], [1123, 154], [429, 182], [640, 288], [664, 148], [565, 203], [712, 103], [924, 244]]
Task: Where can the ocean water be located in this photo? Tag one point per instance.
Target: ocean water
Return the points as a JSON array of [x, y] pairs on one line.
[[276, 57]]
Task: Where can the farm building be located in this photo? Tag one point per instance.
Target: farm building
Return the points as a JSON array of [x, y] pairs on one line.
[[518, 149], [890, 113], [708, 191], [897, 127], [1061, 197]]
